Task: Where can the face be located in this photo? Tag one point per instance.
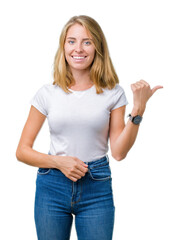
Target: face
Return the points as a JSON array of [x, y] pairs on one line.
[[79, 48]]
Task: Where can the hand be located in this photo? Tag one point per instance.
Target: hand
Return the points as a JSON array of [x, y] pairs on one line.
[[141, 94], [72, 167]]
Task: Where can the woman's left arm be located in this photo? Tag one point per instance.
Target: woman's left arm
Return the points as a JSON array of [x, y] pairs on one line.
[[122, 137]]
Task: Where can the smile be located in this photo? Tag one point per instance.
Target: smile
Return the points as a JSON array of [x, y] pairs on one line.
[[76, 57]]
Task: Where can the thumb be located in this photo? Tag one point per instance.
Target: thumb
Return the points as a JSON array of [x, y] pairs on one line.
[[156, 88]]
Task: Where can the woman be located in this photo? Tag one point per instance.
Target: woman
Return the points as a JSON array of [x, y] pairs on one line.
[[84, 106]]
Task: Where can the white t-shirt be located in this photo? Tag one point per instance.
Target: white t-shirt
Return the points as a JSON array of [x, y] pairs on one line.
[[78, 121]]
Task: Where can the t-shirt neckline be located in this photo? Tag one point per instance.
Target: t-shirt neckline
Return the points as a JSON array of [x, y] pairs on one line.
[[81, 90]]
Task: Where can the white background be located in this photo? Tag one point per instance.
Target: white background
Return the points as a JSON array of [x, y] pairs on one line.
[[143, 41]]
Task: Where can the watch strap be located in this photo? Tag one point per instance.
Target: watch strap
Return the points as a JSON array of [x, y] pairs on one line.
[[135, 119]]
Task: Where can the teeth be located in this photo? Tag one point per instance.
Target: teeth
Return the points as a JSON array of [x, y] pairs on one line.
[[78, 57]]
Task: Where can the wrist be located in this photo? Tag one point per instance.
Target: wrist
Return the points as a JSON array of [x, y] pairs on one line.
[[138, 111], [56, 161]]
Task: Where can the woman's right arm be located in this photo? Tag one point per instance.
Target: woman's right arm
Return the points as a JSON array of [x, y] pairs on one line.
[[24, 152], [72, 167]]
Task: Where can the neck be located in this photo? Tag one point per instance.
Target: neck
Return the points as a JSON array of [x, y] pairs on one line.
[[81, 77]]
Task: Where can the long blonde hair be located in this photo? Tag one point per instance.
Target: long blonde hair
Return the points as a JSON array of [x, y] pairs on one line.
[[102, 71]]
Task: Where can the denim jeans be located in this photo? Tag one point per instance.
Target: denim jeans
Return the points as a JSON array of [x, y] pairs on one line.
[[89, 199]]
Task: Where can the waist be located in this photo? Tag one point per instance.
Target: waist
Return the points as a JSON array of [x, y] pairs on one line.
[[95, 162]]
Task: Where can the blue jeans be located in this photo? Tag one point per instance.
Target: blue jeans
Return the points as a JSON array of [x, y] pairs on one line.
[[90, 199]]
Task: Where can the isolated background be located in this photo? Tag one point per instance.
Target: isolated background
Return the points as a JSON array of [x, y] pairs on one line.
[[143, 41]]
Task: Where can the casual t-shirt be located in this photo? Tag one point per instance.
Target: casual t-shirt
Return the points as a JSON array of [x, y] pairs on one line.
[[78, 121]]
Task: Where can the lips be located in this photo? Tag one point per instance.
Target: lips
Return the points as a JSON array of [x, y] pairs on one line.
[[79, 57]]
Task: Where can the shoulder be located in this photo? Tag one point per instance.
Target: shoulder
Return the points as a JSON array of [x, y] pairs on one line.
[[47, 88], [116, 97], [118, 88], [115, 90]]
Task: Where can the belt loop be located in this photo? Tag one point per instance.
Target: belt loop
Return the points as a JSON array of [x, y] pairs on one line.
[[107, 158]]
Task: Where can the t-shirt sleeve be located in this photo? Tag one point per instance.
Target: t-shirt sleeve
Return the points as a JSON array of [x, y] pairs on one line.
[[40, 100], [119, 98]]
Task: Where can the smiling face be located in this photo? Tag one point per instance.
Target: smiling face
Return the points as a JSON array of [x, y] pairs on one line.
[[79, 48]]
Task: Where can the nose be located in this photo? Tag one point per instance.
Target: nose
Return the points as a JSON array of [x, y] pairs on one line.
[[79, 47]]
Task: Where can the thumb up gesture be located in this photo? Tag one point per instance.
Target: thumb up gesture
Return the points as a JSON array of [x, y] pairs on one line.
[[141, 94]]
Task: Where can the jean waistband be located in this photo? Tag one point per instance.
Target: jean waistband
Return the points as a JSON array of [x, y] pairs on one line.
[[96, 161]]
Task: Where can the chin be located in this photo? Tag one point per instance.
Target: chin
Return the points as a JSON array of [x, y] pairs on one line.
[[80, 67]]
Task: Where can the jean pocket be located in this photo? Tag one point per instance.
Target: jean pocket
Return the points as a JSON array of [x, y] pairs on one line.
[[101, 172], [43, 171]]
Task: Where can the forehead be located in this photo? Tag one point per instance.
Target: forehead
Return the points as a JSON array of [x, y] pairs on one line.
[[77, 30]]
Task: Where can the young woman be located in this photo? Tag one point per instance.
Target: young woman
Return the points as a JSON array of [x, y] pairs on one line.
[[85, 107]]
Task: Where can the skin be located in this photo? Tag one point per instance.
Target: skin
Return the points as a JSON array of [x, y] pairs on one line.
[[79, 43], [122, 137]]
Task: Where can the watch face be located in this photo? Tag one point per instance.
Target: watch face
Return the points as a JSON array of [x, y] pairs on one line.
[[137, 119]]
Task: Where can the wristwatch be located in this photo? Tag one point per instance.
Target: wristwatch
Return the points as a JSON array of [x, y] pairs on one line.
[[136, 119]]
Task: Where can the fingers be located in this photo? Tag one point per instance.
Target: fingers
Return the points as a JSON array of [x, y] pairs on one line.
[[80, 162], [156, 88], [76, 174], [140, 84], [78, 171], [73, 179], [142, 93], [83, 164], [144, 83]]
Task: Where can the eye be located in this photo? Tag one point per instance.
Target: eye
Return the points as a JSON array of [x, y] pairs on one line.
[[71, 42], [87, 42]]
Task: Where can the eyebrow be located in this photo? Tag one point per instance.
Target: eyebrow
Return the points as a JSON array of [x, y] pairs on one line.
[[83, 38]]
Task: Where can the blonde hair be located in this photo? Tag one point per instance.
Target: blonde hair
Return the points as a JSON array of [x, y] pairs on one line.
[[102, 71]]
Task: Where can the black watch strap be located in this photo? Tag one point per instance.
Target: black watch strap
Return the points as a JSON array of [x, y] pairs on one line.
[[135, 119]]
